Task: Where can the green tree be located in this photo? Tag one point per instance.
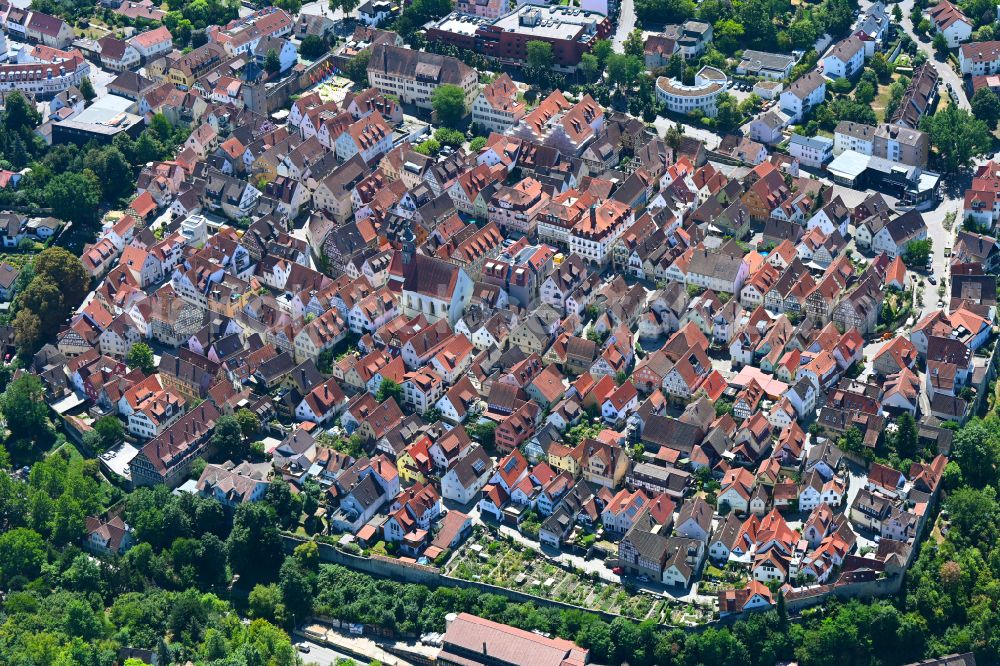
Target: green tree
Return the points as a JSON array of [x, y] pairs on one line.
[[64, 269], [449, 137], [477, 144], [298, 588], [87, 89], [974, 514], [752, 105], [906, 436], [140, 355], [227, 438], [110, 429], [388, 389], [539, 60], [802, 33], [896, 92], [664, 11], [271, 61], [254, 544], [248, 422], [68, 521], [24, 408], [864, 93], [675, 66], [448, 102], [986, 106], [917, 253], [635, 44], [713, 11], [357, 67], [673, 137], [940, 43], [881, 66], [27, 331], [729, 116], [429, 147], [976, 449], [852, 441], [483, 432], [590, 67], [617, 70], [728, 35], [74, 196], [602, 50], [758, 22], [897, 13], [22, 553], [287, 505], [723, 406], [313, 47], [19, 114], [581, 431], [265, 602]]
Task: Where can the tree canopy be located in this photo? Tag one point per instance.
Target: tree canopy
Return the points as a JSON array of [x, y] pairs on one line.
[[958, 136], [448, 102]]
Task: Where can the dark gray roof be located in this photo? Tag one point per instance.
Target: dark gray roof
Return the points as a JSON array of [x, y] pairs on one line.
[[967, 659], [669, 432]]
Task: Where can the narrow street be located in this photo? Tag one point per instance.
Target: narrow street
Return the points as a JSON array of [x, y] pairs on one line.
[[625, 24], [945, 71]]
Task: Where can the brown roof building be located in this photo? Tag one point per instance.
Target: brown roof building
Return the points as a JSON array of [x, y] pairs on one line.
[[473, 641]]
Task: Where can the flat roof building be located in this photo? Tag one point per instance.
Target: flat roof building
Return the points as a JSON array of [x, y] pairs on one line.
[[709, 83], [102, 121], [570, 30]]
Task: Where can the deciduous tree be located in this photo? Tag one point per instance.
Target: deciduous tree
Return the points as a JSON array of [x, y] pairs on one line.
[[448, 102], [141, 356]]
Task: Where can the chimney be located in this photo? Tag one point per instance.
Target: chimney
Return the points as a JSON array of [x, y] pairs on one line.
[[484, 647]]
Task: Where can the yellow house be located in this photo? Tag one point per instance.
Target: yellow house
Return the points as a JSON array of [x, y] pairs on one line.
[[605, 465], [180, 77], [414, 462], [564, 458]]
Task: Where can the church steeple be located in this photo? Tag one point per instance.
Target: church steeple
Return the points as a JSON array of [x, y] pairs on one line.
[[408, 241]]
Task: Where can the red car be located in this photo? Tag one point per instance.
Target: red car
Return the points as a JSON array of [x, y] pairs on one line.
[[617, 571]]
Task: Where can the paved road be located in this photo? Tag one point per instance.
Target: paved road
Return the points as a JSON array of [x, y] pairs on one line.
[[318, 654], [626, 23], [944, 69], [101, 78]]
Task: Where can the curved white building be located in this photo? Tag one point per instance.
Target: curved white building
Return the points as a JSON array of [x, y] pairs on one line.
[[709, 83]]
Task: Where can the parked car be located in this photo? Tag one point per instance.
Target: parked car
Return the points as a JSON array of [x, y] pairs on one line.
[[932, 279]]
